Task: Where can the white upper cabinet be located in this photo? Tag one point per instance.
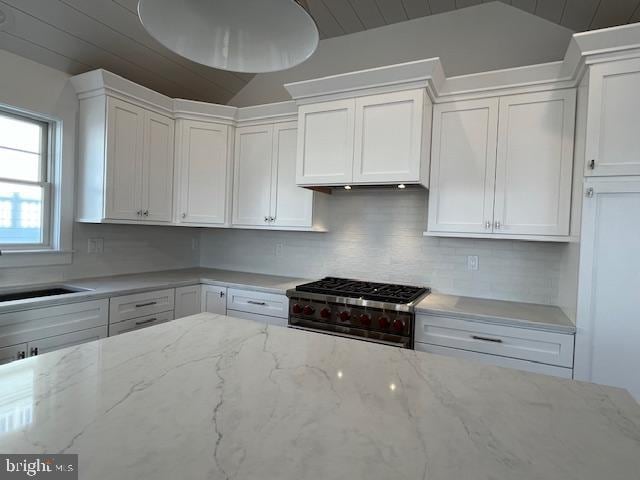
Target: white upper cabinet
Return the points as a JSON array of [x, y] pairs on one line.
[[265, 194], [463, 166], [325, 143], [388, 137], [613, 125], [502, 168], [157, 169], [374, 139], [534, 166], [202, 169]]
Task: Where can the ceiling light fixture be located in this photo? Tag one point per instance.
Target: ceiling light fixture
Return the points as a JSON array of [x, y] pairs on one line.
[[250, 36]]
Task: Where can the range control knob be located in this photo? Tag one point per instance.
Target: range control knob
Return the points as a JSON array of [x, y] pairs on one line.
[[398, 325], [344, 316], [308, 310], [325, 313], [365, 320], [297, 309], [383, 322]]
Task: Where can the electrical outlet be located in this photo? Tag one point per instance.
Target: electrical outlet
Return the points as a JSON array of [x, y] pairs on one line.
[[194, 244], [279, 248], [95, 245], [472, 262]]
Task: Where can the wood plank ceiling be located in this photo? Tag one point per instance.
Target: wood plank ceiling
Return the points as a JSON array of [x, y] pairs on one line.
[[80, 35]]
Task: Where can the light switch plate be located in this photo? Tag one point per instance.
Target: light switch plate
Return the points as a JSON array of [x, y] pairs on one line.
[[472, 263], [95, 245], [279, 248]]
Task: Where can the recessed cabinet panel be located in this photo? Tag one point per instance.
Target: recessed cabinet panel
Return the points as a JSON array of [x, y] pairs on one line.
[[158, 169], [535, 158], [388, 137], [291, 206], [325, 143], [214, 299], [463, 166], [203, 164], [188, 301], [124, 159], [252, 179], [613, 125]]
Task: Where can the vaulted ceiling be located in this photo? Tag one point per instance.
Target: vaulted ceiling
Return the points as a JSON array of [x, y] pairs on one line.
[[76, 36]]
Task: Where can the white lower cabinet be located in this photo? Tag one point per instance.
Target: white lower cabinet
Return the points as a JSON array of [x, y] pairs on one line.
[[141, 304], [13, 352], [214, 299], [279, 321], [263, 307], [513, 347], [188, 301], [44, 345], [139, 323]]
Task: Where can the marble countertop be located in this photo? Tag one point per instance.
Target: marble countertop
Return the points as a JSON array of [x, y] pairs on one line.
[[530, 315], [104, 287], [214, 397]]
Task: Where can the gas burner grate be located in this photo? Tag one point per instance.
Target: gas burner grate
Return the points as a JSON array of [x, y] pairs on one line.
[[383, 292]]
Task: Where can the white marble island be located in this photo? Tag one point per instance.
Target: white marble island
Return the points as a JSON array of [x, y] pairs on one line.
[[213, 397]]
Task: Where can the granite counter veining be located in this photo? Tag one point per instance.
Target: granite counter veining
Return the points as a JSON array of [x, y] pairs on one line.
[[212, 397], [104, 287], [529, 315]]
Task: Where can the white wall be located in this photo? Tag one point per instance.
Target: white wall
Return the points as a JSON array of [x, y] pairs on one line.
[[486, 37], [377, 235], [31, 86]]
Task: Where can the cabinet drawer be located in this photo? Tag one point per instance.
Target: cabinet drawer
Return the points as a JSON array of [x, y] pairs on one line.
[[257, 302], [506, 362], [29, 325], [12, 353], [138, 323], [279, 321], [521, 343], [141, 304], [59, 342]]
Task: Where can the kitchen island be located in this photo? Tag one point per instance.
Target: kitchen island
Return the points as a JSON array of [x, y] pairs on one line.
[[214, 397]]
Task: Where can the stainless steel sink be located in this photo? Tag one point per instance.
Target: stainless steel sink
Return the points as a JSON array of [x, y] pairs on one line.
[[48, 291]]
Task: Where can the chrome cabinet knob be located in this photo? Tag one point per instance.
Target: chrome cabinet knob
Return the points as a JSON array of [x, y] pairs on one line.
[[487, 225], [497, 226], [266, 219], [146, 213], [139, 212], [184, 215]]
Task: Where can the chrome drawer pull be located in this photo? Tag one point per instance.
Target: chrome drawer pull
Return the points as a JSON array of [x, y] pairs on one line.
[[146, 304], [486, 339], [144, 322], [256, 303]]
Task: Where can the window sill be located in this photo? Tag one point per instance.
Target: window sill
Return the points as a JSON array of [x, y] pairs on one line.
[[34, 258]]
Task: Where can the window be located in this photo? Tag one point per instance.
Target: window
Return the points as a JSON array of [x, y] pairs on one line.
[[25, 191]]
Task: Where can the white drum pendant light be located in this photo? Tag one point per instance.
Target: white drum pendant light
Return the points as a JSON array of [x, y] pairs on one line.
[[249, 36]]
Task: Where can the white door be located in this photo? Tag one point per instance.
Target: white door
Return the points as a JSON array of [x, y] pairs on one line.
[[535, 163], [14, 352], [203, 158], [125, 137], [325, 143], [252, 175], [157, 185], [291, 206], [613, 119], [188, 301], [58, 342], [214, 299], [463, 165], [608, 323], [388, 137]]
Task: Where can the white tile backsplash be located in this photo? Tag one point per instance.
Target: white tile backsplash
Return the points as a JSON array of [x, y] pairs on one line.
[[377, 235]]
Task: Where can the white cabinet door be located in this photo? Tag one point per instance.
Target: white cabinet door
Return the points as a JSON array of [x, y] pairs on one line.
[[214, 299], [291, 206], [608, 326], [14, 352], [252, 175], [203, 162], [463, 166], [157, 185], [188, 301], [388, 137], [613, 119], [58, 342], [325, 143], [125, 138], [140, 323], [534, 163]]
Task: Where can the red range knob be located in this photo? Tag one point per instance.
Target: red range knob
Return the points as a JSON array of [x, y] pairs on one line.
[[297, 309], [398, 325], [308, 310], [325, 313], [383, 322], [344, 316], [365, 320]]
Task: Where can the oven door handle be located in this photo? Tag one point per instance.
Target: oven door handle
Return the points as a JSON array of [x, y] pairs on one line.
[[347, 335]]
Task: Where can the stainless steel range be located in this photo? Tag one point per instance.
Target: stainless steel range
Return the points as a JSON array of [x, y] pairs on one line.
[[374, 312]]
